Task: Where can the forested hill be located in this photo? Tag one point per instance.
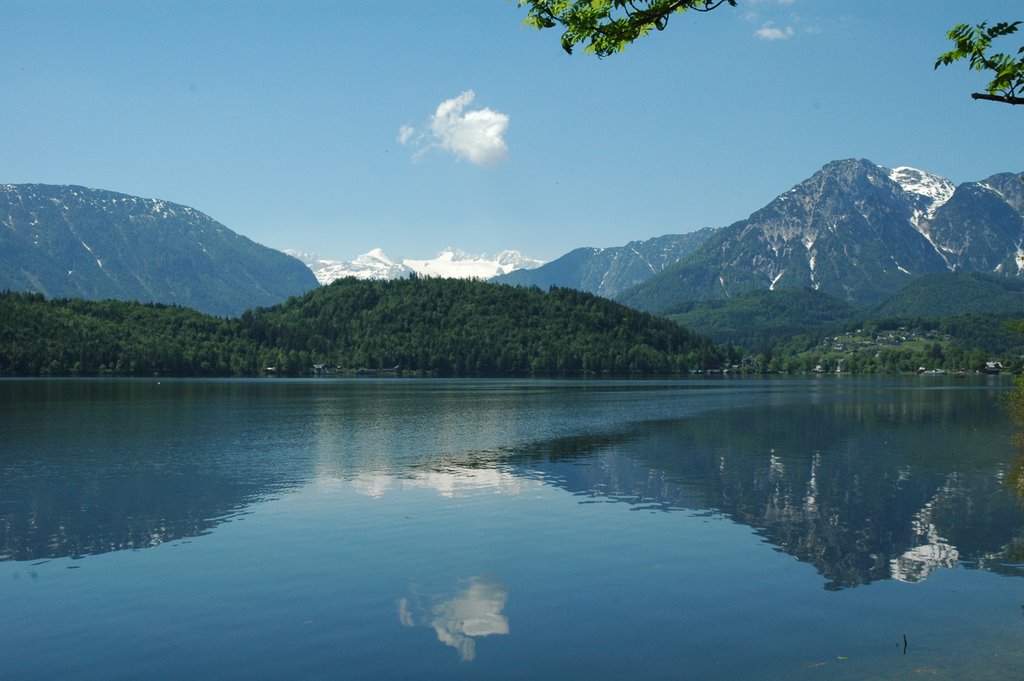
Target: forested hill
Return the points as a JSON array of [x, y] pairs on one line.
[[422, 326], [951, 293], [757, 319]]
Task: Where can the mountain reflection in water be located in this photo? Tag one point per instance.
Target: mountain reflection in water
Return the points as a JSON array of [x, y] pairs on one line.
[[865, 481], [872, 488], [95, 466]]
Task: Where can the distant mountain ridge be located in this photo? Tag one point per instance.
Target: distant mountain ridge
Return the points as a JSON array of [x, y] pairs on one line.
[[75, 242], [449, 264], [854, 230], [610, 271]]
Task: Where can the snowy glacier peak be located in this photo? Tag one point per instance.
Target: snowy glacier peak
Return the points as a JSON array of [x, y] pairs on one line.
[[372, 265], [458, 264], [449, 263]]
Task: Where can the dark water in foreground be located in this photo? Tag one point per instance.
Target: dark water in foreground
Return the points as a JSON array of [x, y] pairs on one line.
[[337, 529]]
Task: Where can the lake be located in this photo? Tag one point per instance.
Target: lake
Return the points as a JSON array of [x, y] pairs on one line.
[[828, 527]]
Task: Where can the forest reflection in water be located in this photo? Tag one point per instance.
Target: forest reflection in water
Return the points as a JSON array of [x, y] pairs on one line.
[[866, 481]]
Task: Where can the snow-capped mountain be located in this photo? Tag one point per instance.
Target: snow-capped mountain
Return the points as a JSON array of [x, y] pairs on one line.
[[449, 263], [372, 265], [857, 231], [456, 264]]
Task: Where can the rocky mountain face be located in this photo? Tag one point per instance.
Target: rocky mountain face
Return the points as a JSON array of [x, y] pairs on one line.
[[448, 264], [978, 229], [610, 271], [74, 242], [854, 230]]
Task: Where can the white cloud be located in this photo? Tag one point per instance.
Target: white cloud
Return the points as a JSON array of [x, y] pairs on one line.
[[770, 32], [476, 135]]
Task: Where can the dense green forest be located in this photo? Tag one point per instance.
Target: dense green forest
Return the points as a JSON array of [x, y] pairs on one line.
[[949, 321], [763, 319], [448, 327], [441, 327], [947, 294], [973, 307]]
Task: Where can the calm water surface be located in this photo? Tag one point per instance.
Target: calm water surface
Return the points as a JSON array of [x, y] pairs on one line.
[[338, 529]]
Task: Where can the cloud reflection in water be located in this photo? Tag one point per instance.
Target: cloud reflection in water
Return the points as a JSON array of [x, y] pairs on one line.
[[471, 612]]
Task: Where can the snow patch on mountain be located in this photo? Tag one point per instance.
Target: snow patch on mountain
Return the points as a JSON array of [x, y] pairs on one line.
[[933, 189], [449, 263], [930, 192], [986, 185]]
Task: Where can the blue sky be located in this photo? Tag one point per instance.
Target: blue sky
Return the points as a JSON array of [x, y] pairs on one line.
[[286, 120]]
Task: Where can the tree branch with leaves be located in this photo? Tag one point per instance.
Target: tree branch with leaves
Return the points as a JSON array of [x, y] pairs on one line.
[[974, 43], [605, 27]]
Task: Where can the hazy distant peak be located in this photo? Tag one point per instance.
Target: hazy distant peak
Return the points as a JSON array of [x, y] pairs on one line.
[[377, 254], [449, 263], [453, 254], [516, 260], [377, 257], [458, 264], [309, 259]]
